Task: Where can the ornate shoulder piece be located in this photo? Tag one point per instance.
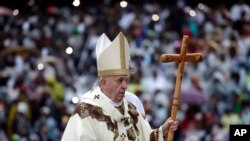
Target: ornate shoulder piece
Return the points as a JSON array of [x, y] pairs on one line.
[[87, 110], [132, 110]]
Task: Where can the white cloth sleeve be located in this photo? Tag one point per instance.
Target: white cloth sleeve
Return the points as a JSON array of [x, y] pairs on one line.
[[75, 131]]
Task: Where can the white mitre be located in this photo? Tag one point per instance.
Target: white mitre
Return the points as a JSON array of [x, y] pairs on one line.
[[112, 57]]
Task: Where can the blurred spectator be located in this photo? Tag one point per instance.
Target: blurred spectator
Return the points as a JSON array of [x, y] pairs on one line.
[[46, 125]]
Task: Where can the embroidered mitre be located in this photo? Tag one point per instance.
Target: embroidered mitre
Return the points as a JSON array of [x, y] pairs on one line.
[[112, 57]]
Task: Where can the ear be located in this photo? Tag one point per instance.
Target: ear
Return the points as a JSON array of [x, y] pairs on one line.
[[103, 81]]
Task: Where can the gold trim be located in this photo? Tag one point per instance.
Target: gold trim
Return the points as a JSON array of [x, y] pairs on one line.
[[122, 51], [113, 72], [87, 110], [154, 135]]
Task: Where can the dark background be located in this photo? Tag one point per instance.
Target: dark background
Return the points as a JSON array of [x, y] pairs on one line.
[[42, 4]]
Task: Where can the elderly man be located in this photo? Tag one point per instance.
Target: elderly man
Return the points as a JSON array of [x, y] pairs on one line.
[[104, 114]]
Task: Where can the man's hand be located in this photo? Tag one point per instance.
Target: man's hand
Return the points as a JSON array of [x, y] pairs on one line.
[[170, 125]]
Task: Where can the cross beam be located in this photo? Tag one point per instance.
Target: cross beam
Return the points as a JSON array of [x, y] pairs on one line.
[[181, 59]]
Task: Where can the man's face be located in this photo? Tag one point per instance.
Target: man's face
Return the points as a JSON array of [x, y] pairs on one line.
[[115, 87]]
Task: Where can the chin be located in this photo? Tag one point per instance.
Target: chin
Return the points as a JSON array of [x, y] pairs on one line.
[[120, 99]]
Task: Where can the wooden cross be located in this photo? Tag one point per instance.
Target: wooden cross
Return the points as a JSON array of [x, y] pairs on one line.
[[181, 59]]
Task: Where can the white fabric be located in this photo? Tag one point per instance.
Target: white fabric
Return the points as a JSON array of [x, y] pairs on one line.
[[102, 43], [111, 55], [132, 98], [90, 129], [135, 101]]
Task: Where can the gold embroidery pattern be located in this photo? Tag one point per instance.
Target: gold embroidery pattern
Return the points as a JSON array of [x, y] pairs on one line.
[[116, 134], [121, 109], [131, 134], [125, 121], [122, 51], [154, 135], [113, 72], [86, 110], [134, 116]]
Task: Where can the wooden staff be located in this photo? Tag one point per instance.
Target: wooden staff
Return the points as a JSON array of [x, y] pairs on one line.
[[181, 59]]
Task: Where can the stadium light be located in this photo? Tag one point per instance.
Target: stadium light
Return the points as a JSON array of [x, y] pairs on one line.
[[75, 100], [69, 50], [15, 12], [76, 3], [155, 17], [40, 66], [123, 4], [201, 6], [192, 13]]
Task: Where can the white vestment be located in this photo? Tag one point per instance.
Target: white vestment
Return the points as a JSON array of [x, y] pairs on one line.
[[130, 97], [96, 119]]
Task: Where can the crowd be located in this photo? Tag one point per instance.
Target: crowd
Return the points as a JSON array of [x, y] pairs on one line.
[[41, 83]]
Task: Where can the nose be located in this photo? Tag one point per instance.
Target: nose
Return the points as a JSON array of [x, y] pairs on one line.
[[124, 84]]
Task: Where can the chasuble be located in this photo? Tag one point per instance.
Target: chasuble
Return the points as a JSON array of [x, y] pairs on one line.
[[97, 119]]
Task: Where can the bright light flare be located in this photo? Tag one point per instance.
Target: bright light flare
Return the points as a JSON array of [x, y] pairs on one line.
[[155, 17], [123, 4], [75, 100], [15, 12], [69, 50], [40, 66], [201, 6], [76, 3], [192, 13]]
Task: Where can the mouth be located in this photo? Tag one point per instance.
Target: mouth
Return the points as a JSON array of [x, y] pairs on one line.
[[122, 94]]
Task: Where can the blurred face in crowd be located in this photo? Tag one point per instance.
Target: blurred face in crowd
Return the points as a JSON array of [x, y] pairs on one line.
[[114, 87]]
